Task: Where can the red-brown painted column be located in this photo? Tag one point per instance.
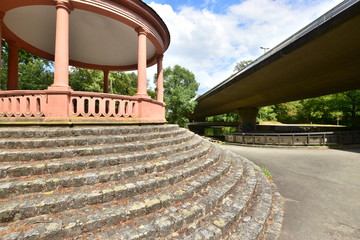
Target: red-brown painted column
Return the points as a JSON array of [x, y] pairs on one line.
[[13, 66], [142, 82], [61, 63], [1, 23], [160, 79], [106, 81]]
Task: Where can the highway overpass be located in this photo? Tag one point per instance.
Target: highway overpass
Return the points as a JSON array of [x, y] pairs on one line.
[[320, 59]]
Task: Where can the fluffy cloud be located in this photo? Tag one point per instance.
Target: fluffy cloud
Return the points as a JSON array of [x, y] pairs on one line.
[[210, 44]]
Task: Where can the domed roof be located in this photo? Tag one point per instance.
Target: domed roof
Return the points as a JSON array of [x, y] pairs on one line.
[[102, 33]]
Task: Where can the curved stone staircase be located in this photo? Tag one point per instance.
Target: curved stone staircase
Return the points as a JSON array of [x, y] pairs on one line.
[[130, 182]]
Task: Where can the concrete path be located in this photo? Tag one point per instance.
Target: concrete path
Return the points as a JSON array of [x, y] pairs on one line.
[[321, 188]]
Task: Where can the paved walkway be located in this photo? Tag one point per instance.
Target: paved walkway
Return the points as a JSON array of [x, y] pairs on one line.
[[321, 188]]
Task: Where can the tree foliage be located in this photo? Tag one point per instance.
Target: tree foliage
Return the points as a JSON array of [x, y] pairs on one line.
[[88, 80], [227, 117], [242, 65], [343, 108], [180, 89], [35, 73], [123, 83]]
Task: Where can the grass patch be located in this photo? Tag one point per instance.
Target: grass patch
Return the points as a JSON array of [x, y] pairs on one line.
[[267, 173]]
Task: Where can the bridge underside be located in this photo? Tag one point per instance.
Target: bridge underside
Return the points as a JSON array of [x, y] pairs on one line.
[[324, 61]]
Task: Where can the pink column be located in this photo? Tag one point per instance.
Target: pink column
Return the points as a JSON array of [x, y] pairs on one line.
[[58, 102], [13, 66], [106, 81], [160, 79], [61, 63], [142, 82]]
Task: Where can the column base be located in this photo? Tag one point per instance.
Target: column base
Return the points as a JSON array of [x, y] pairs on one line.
[[59, 88], [140, 95]]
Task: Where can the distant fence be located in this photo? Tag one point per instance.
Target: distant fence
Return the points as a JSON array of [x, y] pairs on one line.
[[295, 139]]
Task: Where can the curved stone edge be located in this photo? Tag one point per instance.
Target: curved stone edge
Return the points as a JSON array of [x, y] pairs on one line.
[[275, 219]]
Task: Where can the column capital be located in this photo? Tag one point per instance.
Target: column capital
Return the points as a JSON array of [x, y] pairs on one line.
[[160, 57], [12, 43], [65, 4], [141, 31]]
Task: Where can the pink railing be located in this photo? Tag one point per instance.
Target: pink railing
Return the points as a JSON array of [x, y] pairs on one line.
[[23, 104], [85, 104], [71, 106]]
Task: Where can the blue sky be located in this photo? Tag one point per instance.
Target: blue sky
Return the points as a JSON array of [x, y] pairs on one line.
[[209, 37], [217, 6]]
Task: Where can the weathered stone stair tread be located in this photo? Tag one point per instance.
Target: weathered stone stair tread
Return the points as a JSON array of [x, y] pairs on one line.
[[40, 154], [40, 132], [274, 222], [84, 140], [130, 182], [18, 169], [217, 223], [178, 216], [92, 219], [30, 205], [63, 180], [257, 212]]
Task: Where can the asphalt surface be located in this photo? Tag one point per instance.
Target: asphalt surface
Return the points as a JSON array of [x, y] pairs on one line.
[[321, 188]]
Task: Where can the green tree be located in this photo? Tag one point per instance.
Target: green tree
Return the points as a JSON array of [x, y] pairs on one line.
[[241, 65], [180, 89], [88, 80], [227, 117], [349, 104], [123, 83], [288, 112], [35, 73], [266, 114]]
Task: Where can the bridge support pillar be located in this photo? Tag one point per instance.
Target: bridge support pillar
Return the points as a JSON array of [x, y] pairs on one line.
[[247, 118]]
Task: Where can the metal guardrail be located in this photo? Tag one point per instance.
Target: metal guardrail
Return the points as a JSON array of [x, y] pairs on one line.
[[295, 139]]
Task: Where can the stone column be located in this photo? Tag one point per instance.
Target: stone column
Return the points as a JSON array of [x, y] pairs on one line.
[[160, 79], [106, 81], [13, 66], [142, 82], [248, 119], [58, 94], [61, 63]]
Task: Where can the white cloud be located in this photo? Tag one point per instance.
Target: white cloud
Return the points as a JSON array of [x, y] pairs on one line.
[[210, 44]]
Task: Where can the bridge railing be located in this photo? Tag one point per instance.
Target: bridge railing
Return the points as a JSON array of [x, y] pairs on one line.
[[295, 139]]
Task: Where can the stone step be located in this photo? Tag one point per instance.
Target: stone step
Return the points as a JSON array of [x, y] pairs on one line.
[[176, 217], [20, 143], [274, 222], [75, 222], [130, 182], [52, 166], [10, 187], [43, 154], [60, 199], [217, 223], [251, 225], [58, 132]]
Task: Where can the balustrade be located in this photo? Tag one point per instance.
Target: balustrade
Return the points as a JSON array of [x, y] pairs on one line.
[[111, 106], [79, 106], [23, 104]]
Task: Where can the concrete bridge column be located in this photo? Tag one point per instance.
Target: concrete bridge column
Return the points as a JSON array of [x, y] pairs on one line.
[[247, 118]]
